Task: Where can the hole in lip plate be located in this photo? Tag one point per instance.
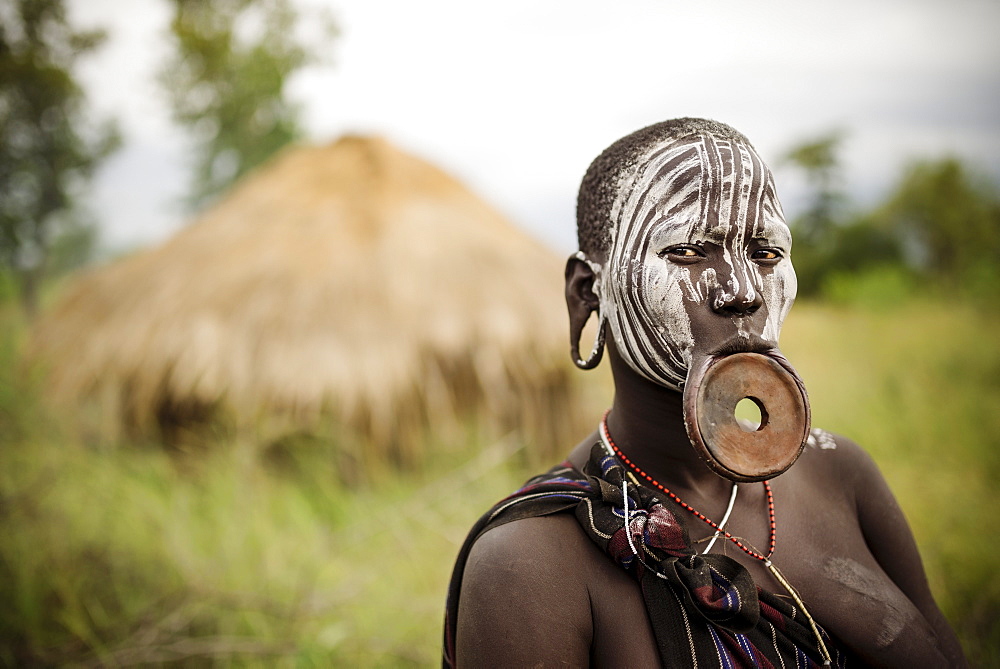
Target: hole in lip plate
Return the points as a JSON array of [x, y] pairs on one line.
[[750, 414]]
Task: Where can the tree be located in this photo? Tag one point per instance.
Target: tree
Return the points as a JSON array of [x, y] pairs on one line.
[[226, 84], [818, 159], [830, 240], [47, 150], [815, 229], [947, 218]]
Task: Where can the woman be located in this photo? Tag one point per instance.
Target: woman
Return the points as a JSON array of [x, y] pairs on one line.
[[673, 534]]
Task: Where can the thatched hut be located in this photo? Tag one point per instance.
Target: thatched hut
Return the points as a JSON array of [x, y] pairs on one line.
[[350, 283]]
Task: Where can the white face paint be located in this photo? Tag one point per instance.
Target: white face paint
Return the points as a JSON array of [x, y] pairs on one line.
[[699, 257]]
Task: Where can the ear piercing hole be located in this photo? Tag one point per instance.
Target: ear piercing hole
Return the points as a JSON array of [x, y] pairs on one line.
[[750, 414], [590, 332]]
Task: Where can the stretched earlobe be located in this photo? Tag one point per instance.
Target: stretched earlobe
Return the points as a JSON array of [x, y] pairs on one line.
[[581, 301], [596, 353]]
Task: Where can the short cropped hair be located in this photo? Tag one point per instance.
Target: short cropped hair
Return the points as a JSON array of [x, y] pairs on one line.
[[604, 177]]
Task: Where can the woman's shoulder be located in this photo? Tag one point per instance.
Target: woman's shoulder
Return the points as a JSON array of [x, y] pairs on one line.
[[524, 594], [835, 455], [529, 550], [836, 465], [537, 532]]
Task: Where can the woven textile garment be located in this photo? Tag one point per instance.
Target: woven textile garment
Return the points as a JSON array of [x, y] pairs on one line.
[[705, 610]]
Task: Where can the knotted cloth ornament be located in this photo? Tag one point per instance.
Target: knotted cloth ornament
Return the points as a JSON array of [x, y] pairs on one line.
[[654, 544]]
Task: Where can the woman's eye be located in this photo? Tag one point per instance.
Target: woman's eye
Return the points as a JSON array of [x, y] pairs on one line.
[[769, 256], [682, 253]]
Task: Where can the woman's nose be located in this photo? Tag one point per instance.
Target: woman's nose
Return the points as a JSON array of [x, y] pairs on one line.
[[737, 295]]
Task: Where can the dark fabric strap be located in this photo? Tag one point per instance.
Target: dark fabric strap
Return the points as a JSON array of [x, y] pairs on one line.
[[705, 610]]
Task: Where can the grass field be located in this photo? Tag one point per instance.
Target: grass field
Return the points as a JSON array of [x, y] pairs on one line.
[[128, 556]]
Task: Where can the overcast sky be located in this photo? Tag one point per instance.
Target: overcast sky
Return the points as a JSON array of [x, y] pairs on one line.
[[516, 98]]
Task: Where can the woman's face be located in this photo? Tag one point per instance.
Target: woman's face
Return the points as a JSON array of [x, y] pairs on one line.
[[699, 260]]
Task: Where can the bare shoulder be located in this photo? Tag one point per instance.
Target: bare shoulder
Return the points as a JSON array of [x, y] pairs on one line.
[[829, 457], [527, 551], [835, 447], [839, 469], [524, 595]]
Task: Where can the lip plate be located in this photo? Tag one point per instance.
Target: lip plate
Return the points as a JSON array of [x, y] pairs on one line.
[[710, 398]]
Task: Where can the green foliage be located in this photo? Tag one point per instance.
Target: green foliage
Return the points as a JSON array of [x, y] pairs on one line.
[[47, 150], [227, 81], [948, 219], [818, 159], [816, 231], [938, 229], [842, 250]]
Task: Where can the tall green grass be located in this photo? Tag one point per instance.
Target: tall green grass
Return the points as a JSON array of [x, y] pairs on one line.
[[917, 383], [242, 557]]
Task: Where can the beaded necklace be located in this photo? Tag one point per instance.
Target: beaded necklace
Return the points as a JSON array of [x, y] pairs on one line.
[[613, 449]]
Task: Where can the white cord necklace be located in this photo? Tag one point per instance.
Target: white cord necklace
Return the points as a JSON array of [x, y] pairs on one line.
[[725, 519]]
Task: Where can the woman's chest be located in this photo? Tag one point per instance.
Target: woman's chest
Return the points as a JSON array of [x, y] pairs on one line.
[[824, 556]]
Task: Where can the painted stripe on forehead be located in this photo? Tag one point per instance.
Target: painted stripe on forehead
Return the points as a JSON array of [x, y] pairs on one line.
[[665, 167], [733, 187], [657, 190], [638, 183], [729, 162], [729, 189], [756, 189], [744, 188]]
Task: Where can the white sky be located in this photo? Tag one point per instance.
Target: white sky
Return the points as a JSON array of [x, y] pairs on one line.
[[516, 98]]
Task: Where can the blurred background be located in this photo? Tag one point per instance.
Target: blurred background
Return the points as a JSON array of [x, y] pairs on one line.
[[280, 293]]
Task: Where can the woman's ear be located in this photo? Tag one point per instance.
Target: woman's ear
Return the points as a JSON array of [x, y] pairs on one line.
[[581, 301]]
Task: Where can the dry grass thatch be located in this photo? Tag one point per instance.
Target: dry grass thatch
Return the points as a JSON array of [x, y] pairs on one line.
[[350, 281]]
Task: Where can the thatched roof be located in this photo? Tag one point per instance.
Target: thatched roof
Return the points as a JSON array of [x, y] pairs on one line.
[[350, 279]]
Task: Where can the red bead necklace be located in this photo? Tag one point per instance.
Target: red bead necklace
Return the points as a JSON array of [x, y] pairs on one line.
[[697, 514]]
